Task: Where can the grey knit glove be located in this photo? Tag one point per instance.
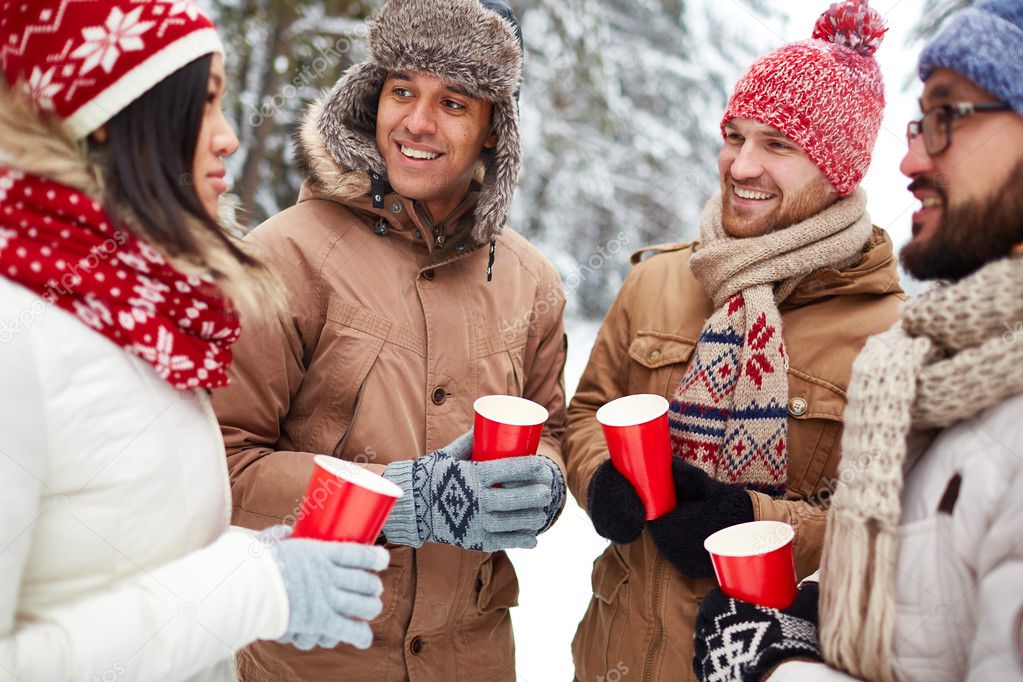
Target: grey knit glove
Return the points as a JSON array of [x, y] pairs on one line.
[[332, 593], [450, 499]]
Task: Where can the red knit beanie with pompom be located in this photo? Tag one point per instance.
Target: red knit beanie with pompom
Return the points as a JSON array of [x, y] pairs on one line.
[[825, 94]]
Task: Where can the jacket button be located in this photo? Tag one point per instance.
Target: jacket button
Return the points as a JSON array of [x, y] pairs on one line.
[[439, 396], [654, 356], [798, 407], [396, 207], [416, 645], [429, 274]]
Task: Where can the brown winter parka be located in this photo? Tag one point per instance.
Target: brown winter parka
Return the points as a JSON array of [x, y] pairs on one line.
[[393, 331], [642, 612]]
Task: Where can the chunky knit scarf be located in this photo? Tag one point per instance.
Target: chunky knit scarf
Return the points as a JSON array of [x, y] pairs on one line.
[[729, 413], [59, 243], [953, 354]]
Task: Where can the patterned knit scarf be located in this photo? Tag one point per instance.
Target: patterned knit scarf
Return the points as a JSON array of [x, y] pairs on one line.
[[952, 355], [729, 413], [57, 242]]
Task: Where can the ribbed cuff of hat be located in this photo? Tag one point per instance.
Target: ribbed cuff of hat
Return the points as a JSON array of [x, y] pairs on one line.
[[982, 43], [402, 527]]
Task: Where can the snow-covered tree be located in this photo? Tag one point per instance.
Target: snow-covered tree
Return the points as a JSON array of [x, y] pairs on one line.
[[621, 106]]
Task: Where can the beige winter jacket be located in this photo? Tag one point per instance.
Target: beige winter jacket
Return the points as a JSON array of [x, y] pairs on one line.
[[643, 611], [390, 338]]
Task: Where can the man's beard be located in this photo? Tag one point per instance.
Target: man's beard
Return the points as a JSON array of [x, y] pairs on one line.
[[802, 205], [969, 235]]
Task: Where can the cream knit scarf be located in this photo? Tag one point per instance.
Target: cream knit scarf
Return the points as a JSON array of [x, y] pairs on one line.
[[729, 413], [954, 353]]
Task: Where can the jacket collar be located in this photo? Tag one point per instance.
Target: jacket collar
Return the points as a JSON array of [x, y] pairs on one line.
[[875, 273]]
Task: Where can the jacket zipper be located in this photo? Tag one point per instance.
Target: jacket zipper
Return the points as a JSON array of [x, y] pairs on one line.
[[655, 603], [424, 215]]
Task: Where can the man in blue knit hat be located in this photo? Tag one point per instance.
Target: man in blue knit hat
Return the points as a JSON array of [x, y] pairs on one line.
[[923, 558]]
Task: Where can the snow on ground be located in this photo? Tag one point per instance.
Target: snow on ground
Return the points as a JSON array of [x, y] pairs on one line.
[[554, 578]]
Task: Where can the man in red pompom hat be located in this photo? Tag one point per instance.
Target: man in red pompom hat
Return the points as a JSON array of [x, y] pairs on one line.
[[750, 333]]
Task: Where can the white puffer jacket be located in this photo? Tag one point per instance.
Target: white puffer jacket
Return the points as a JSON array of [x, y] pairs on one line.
[[116, 558], [959, 584]]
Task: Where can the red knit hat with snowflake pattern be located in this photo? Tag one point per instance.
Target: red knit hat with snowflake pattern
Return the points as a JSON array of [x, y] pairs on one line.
[[86, 60], [825, 94]]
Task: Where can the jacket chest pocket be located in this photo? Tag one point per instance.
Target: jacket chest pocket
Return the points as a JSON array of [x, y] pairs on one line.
[[499, 364], [815, 434], [329, 405], [658, 362]]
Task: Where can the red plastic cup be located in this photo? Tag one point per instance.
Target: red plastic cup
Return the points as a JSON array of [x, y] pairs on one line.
[[506, 426], [636, 430], [754, 562], [345, 502]]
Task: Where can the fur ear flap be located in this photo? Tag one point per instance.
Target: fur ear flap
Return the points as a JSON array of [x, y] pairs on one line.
[[347, 119], [501, 173]]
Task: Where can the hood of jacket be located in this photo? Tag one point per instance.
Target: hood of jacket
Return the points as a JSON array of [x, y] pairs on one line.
[[460, 41]]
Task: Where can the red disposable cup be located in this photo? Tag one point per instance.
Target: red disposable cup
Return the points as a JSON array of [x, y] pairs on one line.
[[636, 431], [345, 502], [754, 562], [506, 426]]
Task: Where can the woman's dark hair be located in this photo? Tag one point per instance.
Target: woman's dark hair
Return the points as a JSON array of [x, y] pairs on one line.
[[147, 160]]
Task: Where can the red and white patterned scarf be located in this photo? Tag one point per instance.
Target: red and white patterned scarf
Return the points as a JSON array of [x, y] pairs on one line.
[[729, 413], [60, 244]]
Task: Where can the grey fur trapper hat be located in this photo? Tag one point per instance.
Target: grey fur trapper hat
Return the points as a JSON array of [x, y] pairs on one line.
[[473, 44]]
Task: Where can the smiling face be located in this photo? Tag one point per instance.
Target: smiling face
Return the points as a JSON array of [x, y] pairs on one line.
[[971, 194], [430, 134], [767, 182], [216, 140]]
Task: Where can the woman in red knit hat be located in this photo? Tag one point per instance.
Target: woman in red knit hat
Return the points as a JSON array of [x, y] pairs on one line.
[[118, 288]]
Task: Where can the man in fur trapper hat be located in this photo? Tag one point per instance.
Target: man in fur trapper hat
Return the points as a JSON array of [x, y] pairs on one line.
[[923, 559], [750, 333], [410, 300]]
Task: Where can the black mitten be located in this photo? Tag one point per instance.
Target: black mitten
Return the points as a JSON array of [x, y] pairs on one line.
[[743, 642], [615, 508], [705, 506]]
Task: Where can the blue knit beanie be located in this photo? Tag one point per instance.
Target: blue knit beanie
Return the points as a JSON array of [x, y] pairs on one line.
[[985, 44]]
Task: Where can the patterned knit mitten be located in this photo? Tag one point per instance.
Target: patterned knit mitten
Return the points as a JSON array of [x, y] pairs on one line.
[[742, 642], [451, 500], [705, 506]]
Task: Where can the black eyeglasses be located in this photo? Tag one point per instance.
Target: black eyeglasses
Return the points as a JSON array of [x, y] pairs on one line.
[[936, 124]]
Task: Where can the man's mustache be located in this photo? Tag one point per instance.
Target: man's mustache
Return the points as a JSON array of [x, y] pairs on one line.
[[926, 183]]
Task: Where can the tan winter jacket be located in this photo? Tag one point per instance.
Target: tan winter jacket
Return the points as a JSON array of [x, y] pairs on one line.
[[391, 336], [643, 610]]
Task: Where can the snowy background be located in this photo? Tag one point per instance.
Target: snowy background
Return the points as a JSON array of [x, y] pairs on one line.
[[620, 109]]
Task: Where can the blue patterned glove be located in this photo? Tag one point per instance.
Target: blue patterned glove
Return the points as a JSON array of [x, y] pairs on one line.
[[451, 500], [332, 592], [736, 641]]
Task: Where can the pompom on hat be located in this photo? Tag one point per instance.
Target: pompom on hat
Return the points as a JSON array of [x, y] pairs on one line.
[[984, 43], [86, 60], [825, 94]]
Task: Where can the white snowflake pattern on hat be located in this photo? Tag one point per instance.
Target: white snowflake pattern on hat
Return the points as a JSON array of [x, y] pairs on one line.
[[41, 88], [186, 7], [103, 46]]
